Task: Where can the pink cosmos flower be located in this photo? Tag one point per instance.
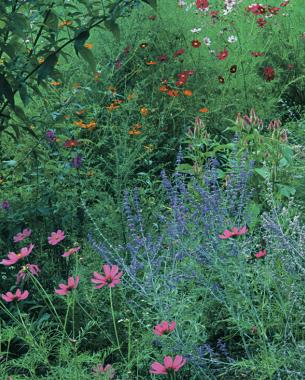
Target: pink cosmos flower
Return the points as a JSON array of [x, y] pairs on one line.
[[108, 370], [10, 297], [164, 328], [14, 257], [56, 237], [169, 364], [111, 278], [65, 289], [22, 235], [179, 52], [202, 4], [261, 254], [71, 251], [22, 274], [235, 232], [222, 55]]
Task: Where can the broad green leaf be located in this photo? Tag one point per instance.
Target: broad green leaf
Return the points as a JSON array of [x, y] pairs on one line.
[[113, 27], [80, 40], [52, 22], [24, 95], [286, 191], [19, 24], [263, 172], [47, 67], [152, 3], [88, 57], [6, 90]]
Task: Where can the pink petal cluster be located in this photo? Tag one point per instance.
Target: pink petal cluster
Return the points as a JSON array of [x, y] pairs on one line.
[[112, 277], [235, 232], [222, 55], [22, 235], [169, 366], [65, 289], [13, 257], [164, 328], [261, 254], [108, 370], [22, 274], [71, 251], [56, 237], [202, 4], [19, 296]]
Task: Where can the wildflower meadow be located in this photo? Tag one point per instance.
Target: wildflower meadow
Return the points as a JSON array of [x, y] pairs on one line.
[[152, 179]]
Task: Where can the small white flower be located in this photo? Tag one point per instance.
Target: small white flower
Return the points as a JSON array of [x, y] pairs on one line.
[[196, 30], [232, 39], [207, 41], [181, 3]]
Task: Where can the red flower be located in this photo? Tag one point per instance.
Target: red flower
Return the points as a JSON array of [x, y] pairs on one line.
[[257, 54], [223, 54], [112, 277], [19, 296], [235, 232], [256, 9], [164, 328], [71, 143], [285, 3], [269, 73], [65, 289], [196, 43], [261, 22], [162, 58], [261, 254], [274, 10], [179, 52], [169, 366], [202, 4]]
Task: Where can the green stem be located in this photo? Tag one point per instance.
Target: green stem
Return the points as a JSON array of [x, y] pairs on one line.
[[114, 325]]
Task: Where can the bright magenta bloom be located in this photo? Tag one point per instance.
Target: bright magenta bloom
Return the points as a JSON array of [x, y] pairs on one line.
[[14, 257], [111, 278], [71, 251], [56, 237], [22, 274], [164, 328], [108, 370], [65, 289], [10, 297], [223, 54], [202, 4], [169, 365], [261, 254], [235, 232], [22, 235]]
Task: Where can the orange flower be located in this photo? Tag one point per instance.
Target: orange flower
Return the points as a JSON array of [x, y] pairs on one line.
[[163, 88], [89, 45], [90, 125], [80, 112], [40, 60], [188, 92], [172, 92], [134, 132], [130, 96], [203, 110], [79, 123], [66, 117], [97, 76], [112, 107], [65, 23], [55, 83], [151, 63], [144, 111]]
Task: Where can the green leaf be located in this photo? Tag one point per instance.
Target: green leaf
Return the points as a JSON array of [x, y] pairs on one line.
[[263, 172], [286, 191], [152, 3], [6, 90], [24, 95], [80, 40], [47, 67], [52, 22], [88, 57], [19, 24], [114, 28]]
